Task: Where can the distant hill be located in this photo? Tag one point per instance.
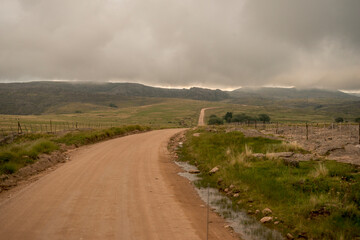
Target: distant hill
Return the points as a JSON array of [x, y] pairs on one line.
[[38, 97], [290, 93], [54, 97]]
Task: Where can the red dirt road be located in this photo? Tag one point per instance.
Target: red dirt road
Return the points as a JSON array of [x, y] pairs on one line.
[[125, 188]]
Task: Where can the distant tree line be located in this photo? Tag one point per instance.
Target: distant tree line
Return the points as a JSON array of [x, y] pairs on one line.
[[340, 120], [229, 117]]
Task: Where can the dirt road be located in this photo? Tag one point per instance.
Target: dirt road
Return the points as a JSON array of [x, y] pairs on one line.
[[125, 188], [201, 121]]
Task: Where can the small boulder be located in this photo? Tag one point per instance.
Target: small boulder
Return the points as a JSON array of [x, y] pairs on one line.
[[266, 211], [236, 195], [214, 170], [266, 219], [258, 155], [277, 222], [257, 211], [289, 236]]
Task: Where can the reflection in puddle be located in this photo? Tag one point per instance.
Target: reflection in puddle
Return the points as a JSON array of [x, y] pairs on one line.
[[246, 226]]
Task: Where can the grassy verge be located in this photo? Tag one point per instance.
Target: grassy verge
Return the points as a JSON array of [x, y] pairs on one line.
[[27, 148], [318, 199]]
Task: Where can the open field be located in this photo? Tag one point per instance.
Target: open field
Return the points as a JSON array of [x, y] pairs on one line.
[[284, 112], [312, 198], [164, 113]]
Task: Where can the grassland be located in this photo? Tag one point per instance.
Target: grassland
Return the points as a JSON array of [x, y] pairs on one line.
[[161, 113], [318, 199]]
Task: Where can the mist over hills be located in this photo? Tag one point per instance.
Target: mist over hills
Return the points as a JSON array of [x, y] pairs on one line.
[[39, 97]]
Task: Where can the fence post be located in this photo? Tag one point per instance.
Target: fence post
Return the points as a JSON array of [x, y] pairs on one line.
[[76, 125], [307, 131], [255, 124], [19, 128], [50, 126], [359, 133]]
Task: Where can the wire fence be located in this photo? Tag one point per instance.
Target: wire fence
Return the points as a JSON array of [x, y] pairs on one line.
[[346, 132], [51, 127]]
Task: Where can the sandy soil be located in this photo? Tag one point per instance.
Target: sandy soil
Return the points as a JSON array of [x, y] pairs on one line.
[[125, 188]]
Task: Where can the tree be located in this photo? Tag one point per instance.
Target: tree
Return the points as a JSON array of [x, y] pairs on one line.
[[214, 120], [264, 118], [228, 117], [357, 120], [339, 120]]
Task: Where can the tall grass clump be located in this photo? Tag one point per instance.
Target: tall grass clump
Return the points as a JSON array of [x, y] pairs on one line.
[[318, 198]]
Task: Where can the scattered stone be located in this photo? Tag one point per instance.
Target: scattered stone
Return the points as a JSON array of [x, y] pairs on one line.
[[250, 212], [282, 154], [266, 219], [214, 170], [231, 186], [194, 171], [236, 195], [226, 190], [257, 211], [258, 155], [227, 226], [277, 222], [267, 211], [289, 236]]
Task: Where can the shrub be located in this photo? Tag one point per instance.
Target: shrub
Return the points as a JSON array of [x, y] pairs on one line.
[[9, 168], [339, 119], [6, 157], [215, 121]]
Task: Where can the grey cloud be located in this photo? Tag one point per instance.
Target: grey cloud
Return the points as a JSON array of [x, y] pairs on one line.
[[183, 43]]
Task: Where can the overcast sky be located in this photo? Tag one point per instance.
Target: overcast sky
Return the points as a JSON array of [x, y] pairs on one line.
[[210, 43]]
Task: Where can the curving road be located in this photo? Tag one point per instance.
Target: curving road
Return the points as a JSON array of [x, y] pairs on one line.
[[125, 188]]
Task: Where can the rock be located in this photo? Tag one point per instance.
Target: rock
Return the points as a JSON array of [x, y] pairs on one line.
[[214, 170], [231, 186], [277, 222], [258, 155], [194, 171], [266, 211], [283, 154], [266, 219], [236, 195], [226, 190], [257, 211], [289, 236], [227, 226]]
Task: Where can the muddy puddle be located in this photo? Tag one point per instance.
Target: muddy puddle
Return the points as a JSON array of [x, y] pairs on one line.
[[246, 226]]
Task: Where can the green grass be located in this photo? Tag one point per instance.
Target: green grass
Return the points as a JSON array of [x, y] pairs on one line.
[[26, 148], [320, 198]]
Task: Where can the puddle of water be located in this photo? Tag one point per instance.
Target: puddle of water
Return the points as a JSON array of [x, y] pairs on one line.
[[246, 226]]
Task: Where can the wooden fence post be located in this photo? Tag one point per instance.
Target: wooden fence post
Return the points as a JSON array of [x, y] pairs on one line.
[[50, 126], [255, 124], [307, 131], [19, 128]]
